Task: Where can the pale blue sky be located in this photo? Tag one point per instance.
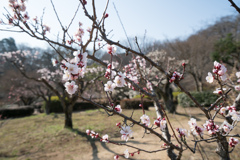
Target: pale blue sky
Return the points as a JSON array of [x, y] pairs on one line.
[[162, 19]]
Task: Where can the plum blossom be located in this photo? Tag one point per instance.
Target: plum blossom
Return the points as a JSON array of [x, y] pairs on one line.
[[71, 88], [79, 34], [223, 110], [126, 133], [149, 85], [227, 127], [194, 128], [109, 86], [126, 153], [175, 76], [145, 119], [109, 72], [118, 109], [46, 28], [192, 123], [182, 132], [105, 138], [111, 49], [72, 68], [211, 127], [237, 88], [233, 141], [119, 81], [235, 116], [92, 134], [220, 70], [231, 109], [88, 132], [161, 123], [210, 78], [54, 62], [116, 157], [238, 74], [219, 91]]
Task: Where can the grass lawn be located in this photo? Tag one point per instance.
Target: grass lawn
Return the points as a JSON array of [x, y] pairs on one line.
[[43, 137]]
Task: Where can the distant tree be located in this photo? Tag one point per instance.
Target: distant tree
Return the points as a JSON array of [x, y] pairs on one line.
[[227, 50], [7, 45]]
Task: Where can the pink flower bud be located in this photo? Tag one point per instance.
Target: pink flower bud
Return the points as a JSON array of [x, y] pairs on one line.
[[106, 15]]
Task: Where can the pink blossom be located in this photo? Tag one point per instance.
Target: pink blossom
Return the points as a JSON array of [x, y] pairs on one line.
[[237, 88], [105, 138], [118, 109], [111, 49], [116, 157], [219, 91], [160, 123], [233, 141], [71, 88], [182, 132], [211, 127]]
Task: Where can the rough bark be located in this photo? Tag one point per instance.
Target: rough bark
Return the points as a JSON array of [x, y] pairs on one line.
[[168, 98], [68, 117], [222, 148]]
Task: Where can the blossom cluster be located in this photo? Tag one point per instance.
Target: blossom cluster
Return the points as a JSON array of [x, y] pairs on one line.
[[182, 132], [73, 69], [161, 122], [233, 141], [19, 9], [196, 130], [96, 135], [119, 81], [211, 127], [79, 34], [175, 76], [131, 70], [219, 70]]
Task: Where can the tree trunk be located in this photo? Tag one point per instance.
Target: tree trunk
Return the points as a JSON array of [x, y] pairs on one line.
[[47, 108], [68, 117], [168, 98], [222, 149]]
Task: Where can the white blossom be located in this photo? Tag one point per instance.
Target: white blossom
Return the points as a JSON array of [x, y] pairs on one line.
[[145, 119], [126, 133], [209, 78], [71, 88], [109, 86]]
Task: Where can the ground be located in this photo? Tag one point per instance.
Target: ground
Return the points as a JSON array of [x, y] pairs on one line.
[[43, 137]]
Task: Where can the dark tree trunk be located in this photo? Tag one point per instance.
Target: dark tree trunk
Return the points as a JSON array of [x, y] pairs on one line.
[[68, 117], [47, 108], [168, 98], [222, 149]]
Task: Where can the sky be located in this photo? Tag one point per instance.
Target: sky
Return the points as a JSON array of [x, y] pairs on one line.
[[158, 19]]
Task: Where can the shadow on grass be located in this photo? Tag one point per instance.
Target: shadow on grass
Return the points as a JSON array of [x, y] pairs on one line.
[[104, 145], [92, 142]]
